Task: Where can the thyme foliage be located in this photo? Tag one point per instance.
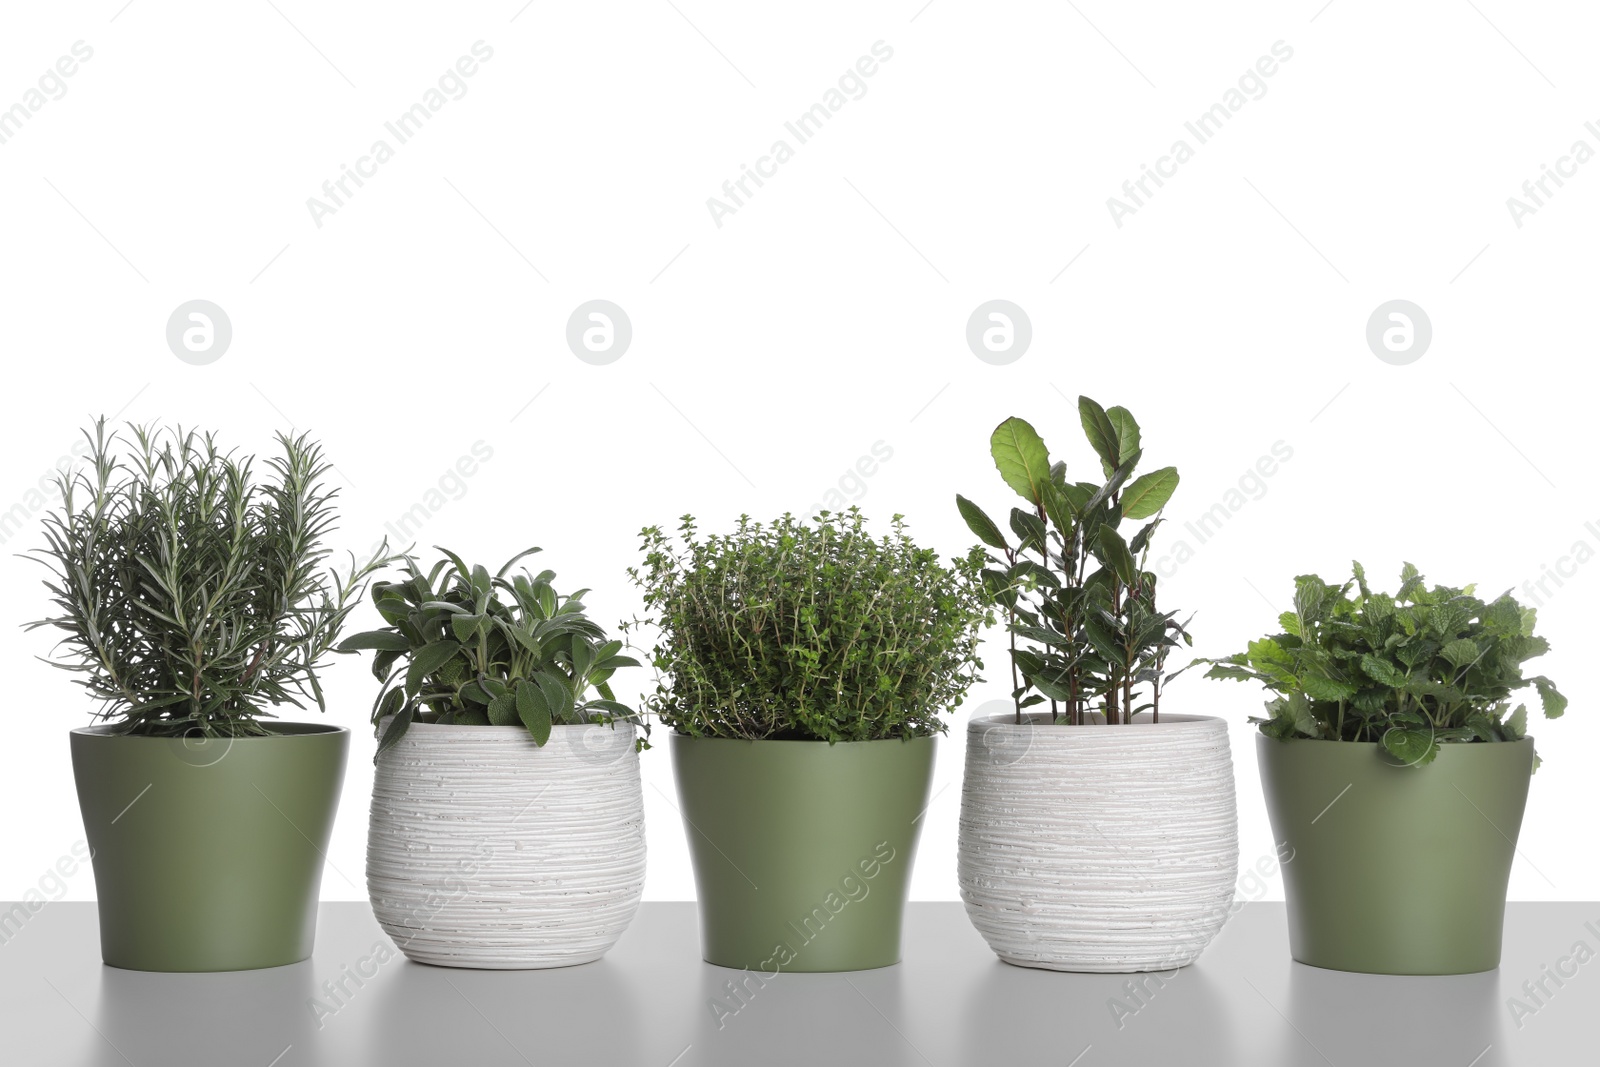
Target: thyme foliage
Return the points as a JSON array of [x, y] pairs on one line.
[[795, 631]]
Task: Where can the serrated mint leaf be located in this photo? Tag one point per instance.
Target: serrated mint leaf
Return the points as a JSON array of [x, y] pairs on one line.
[[1380, 670], [1516, 724], [1459, 652], [1326, 688], [1554, 703]]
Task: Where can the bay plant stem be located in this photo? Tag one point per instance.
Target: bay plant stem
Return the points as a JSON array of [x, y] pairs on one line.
[[1079, 596]]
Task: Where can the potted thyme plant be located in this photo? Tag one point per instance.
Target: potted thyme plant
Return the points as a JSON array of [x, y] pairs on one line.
[[193, 601], [1396, 768], [804, 669], [507, 824], [1098, 830]]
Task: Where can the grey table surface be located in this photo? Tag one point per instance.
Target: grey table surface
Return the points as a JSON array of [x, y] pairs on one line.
[[653, 1002]]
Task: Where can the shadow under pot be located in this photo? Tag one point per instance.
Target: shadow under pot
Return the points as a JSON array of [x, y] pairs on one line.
[[485, 850], [1395, 869], [802, 850], [1098, 848], [208, 852]]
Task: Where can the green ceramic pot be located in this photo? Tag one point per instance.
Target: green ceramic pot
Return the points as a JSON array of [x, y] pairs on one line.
[[208, 853], [1395, 869], [802, 850]]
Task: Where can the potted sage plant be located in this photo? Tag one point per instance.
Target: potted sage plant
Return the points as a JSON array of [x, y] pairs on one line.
[[804, 669], [507, 825], [1396, 768], [1098, 830], [193, 600]]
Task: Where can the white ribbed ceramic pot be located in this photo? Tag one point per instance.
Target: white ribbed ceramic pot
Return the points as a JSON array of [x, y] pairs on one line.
[[485, 850], [1098, 848]]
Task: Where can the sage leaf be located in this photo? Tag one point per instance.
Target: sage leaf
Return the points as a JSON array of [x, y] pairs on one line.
[[534, 711], [379, 640]]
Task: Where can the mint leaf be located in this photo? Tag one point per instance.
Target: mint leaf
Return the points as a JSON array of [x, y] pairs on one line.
[[1460, 652], [1413, 747]]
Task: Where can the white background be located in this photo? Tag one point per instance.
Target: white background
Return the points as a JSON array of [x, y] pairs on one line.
[[828, 313]]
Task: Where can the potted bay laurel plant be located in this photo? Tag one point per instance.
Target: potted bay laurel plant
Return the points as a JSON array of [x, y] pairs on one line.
[[803, 669], [1098, 830], [507, 824], [1396, 768], [194, 600]]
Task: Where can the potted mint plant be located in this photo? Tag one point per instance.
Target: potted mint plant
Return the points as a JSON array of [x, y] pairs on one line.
[[1396, 768], [1098, 830], [507, 824], [804, 669], [193, 601]]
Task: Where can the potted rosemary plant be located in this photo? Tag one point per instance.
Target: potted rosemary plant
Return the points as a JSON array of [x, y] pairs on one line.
[[507, 822], [1396, 768], [1098, 830], [804, 669], [193, 601]]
